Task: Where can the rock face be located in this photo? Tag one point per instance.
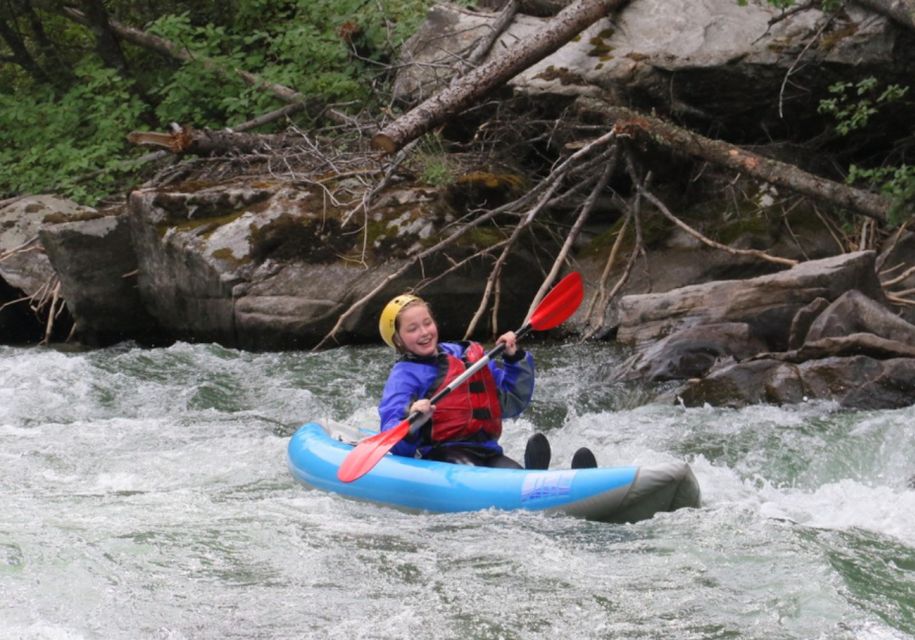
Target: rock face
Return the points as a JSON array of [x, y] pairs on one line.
[[25, 266], [94, 259], [767, 304], [248, 264], [271, 267], [734, 341], [26, 273], [705, 61]]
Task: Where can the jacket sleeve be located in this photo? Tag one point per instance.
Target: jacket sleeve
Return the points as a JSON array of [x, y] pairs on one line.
[[515, 381], [400, 391]]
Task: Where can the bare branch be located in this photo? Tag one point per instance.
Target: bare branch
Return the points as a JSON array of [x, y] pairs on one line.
[[872, 205], [469, 89]]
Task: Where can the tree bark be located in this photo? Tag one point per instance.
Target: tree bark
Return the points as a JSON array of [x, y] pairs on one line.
[[62, 71], [472, 87], [211, 143], [107, 45], [21, 55], [628, 122]]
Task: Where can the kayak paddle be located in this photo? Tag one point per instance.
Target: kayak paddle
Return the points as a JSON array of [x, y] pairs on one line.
[[560, 303]]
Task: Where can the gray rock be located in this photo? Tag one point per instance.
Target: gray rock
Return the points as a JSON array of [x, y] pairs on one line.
[[802, 320], [272, 268], [25, 269], [25, 266], [854, 312], [858, 382], [97, 267], [766, 303], [692, 352], [706, 59]]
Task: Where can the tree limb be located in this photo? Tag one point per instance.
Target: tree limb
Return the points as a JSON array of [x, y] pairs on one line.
[[505, 17], [210, 143], [586, 209], [183, 54], [469, 89], [781, 174]]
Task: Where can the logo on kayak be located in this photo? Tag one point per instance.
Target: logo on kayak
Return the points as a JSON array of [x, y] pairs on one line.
[[540, 486]]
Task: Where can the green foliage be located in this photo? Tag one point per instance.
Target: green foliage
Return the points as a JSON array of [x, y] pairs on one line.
[[72, 141], [435, 167], [896, 182], [52, 144], [854, 105], [324, 49]]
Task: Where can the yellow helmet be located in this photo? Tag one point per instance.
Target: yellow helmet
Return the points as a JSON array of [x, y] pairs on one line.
[[388, 320]]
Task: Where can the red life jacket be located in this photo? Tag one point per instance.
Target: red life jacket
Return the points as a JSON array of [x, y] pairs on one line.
[[472, 410]]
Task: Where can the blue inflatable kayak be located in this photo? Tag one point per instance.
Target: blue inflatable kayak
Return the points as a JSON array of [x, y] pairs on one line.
[[617, 494]]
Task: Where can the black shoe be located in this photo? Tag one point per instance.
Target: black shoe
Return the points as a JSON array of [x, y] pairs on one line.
[[537, 452], [584, 459]]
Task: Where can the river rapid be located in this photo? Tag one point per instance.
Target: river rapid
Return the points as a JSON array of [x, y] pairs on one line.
[[145, 494]]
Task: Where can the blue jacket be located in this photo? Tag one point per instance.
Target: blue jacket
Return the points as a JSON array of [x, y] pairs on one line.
[[413, 378]]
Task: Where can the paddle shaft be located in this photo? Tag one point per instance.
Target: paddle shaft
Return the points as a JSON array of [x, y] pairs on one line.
[[461, 379]]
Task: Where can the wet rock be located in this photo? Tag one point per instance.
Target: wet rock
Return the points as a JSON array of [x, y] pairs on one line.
[[94, 259], [854, 312], [692, 352], [767, 303], [859, 382]]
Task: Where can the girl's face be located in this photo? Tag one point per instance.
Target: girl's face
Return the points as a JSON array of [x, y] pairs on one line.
[[417, 331]]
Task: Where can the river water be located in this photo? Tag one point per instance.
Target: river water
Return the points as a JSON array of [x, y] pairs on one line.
[[145, 494]]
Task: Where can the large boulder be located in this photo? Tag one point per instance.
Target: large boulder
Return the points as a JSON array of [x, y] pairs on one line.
[[829, 332], [25, 267], [270, 266], [853, 312], [94, 259], [692, 352], [704, 60], [28, 281], [859, 382], [766, 303]]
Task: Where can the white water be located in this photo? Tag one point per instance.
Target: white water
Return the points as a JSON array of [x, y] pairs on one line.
[[145, 495]]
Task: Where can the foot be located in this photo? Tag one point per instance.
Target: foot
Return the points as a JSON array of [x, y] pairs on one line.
[[584, 459], [537, 452]]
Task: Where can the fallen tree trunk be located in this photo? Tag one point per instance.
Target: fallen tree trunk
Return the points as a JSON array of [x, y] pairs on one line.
[[628, 122], [471, 88], [211, 143]]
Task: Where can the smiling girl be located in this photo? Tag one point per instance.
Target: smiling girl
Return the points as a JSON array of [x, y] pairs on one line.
[[464, 426]]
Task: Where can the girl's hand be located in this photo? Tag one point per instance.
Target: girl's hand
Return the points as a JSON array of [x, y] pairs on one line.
[[510, 340], [423, 406]]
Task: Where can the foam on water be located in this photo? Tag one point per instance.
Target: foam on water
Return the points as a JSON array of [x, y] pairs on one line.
[[145, 495]]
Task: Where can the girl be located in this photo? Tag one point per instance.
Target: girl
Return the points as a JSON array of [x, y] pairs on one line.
[[464, 426]]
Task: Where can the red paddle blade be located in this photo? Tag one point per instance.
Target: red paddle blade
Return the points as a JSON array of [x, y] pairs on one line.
[[368, 452], [560, 303]]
